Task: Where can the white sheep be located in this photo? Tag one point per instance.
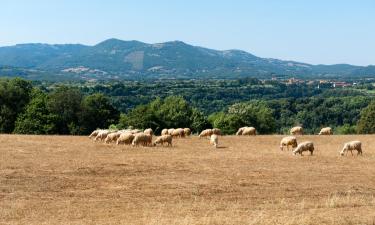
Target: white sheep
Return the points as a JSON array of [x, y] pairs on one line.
[[125, 138], [179, 132], [304, 146], [326, 131], [112, 137], [296, 131], [142, 139], [164, 132], [350, 146], [214, 140], [206, 133], [249, 131], [170, 131], [102, 135], [286, 141], [149, 131], [187, 132], [163, 139], [94, 134]]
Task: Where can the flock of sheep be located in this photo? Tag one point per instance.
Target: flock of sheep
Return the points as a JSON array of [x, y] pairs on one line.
[[138, 137]]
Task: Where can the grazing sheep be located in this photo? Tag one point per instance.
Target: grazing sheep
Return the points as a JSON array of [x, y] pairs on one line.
[[187, 132], [102, 135], [149, 131], [350, 146], [246, 131], [164, 132], [240, 130], [216, 131], [304, 146], [178, 133], [94, 134], [143, 139], [170, 131], [286, 141], [326, 131], [163, 139], [214, 140], [125, 138], [112, 137], [249, 131], [296, 131], [206, 133]]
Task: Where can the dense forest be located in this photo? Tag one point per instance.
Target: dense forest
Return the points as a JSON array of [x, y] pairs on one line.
[[271, 106]]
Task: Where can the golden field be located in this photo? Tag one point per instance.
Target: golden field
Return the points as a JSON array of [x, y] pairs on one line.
[[248, 180]]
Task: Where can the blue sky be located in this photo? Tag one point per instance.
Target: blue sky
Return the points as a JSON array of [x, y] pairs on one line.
[[312, 31]]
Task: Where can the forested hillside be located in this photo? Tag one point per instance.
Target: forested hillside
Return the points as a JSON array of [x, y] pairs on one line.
[[271, 106]]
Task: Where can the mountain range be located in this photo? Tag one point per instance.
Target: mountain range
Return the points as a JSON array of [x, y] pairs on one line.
[[117, 59]]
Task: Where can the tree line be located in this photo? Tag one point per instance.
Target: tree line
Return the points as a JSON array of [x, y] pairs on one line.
[[29, 108]]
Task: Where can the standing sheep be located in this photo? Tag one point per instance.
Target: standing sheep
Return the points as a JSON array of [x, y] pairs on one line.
[[142, 139], [249, 131], [125, 138], [112, 137], [286, 141], [350, 146], [164, 132], [163, 139], [296, 131], [304, 146], [326, 131], [206, 133], [102, 135], [178, 133], [94, 134], [246, 131], [214, 140], [187, 132], [170, 131], [149, 131]]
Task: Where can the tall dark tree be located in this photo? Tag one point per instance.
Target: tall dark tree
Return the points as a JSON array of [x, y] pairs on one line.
[[36, 119], [366, 123], [65, 103], [96, 112], [14, 95]]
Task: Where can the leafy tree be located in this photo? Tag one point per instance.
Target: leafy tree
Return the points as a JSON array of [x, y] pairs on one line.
[[14, 96], [36, 119], [366, 123], [253, 113], [65, 104], [96, 112]]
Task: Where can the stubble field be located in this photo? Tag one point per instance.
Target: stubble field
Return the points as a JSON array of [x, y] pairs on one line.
[[248, 180]]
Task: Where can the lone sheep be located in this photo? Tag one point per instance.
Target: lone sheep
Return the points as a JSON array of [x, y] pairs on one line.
[[286, 141], [163, 139], [296, 131], [304, 146], [326, 131], [350, 146]]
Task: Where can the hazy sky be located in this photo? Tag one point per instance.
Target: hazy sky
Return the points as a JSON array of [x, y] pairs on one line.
[[312, 31]]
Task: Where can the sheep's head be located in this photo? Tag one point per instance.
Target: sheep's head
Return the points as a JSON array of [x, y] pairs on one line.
[[294, 145]]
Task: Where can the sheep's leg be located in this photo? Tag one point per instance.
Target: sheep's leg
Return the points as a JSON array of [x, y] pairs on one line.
[[351, 151]]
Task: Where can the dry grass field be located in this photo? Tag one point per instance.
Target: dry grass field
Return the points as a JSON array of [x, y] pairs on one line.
[[72, 180]]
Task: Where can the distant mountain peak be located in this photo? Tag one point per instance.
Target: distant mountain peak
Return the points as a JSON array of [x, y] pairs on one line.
[[115, 58]]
